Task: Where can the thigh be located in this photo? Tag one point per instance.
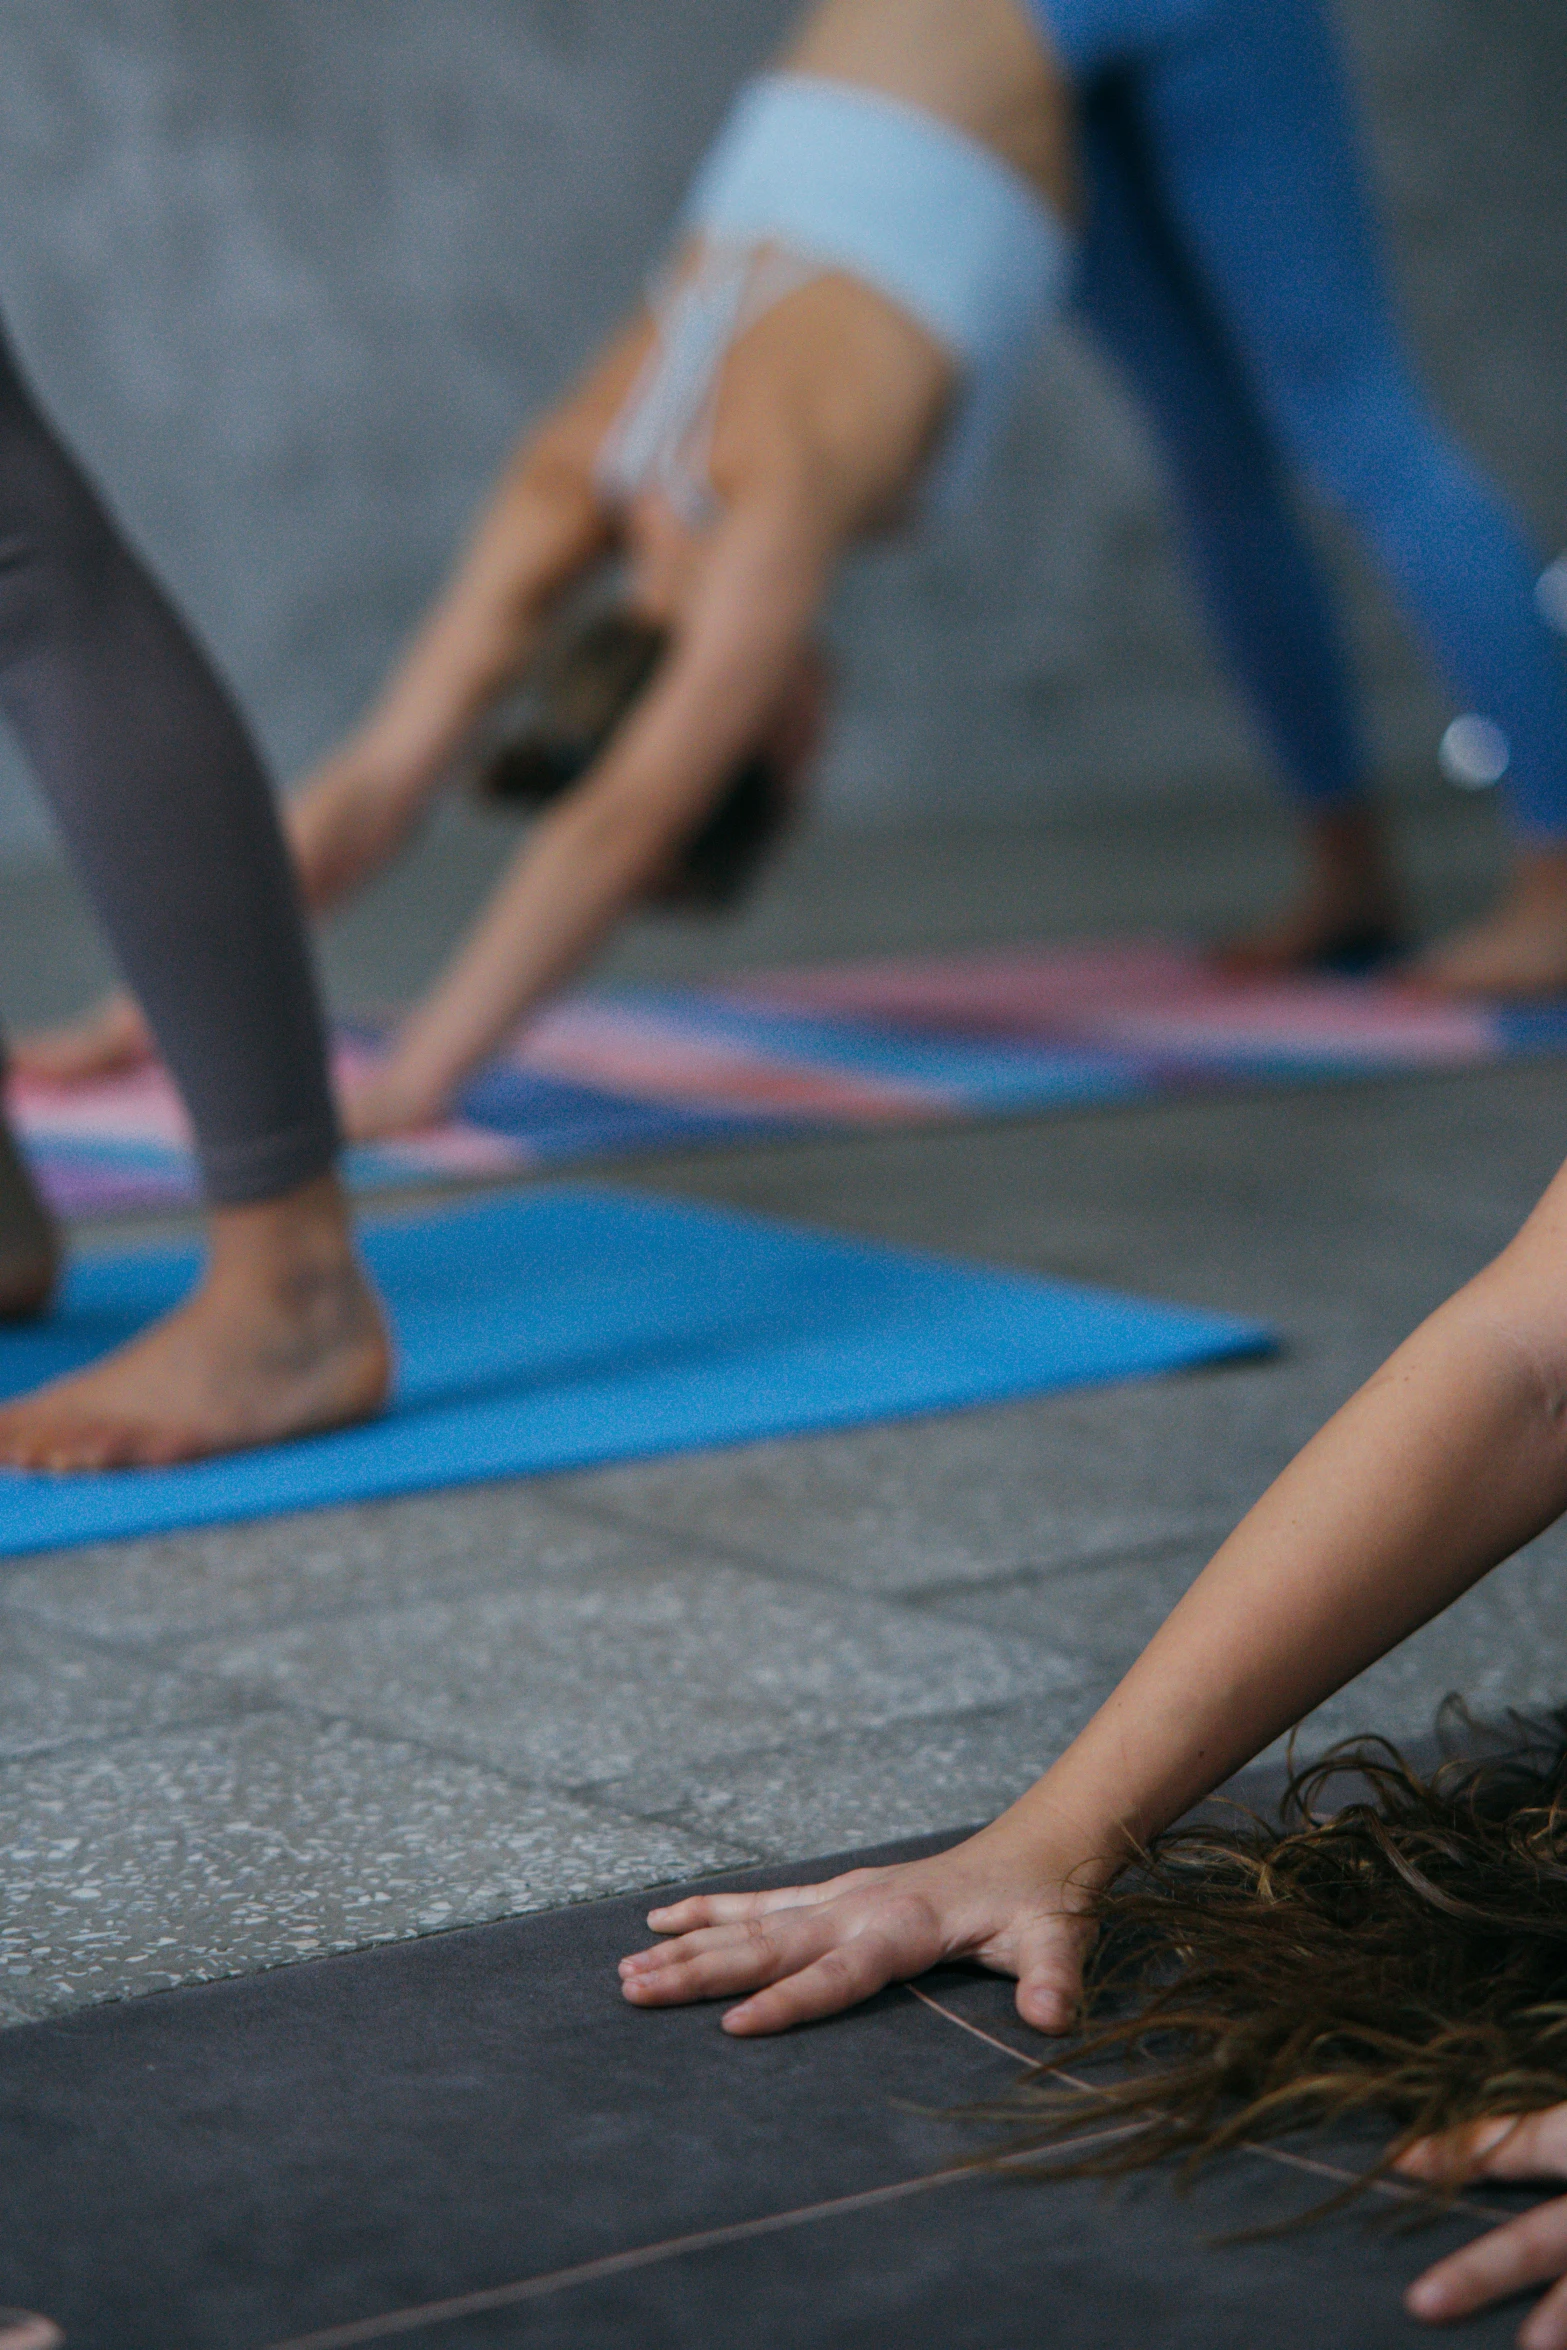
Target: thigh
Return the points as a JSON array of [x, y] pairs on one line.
[[1092, 37], [1252, 138], [1146, 304]]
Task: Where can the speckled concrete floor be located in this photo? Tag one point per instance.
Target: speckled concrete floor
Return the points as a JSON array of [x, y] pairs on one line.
[[225, 1750]]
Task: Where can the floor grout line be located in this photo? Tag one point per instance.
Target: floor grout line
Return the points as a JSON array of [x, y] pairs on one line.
[[1277, 2154]]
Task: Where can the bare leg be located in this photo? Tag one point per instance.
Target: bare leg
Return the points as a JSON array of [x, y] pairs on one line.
[[282, 1337], [29, 1243], [1346, 910], [1519, 948]]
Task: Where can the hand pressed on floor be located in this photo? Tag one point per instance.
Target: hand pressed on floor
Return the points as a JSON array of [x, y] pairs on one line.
[[104, 1042], [1515, 2257], [809, 1950]]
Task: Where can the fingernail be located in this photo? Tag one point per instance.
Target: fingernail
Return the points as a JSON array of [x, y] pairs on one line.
[[1425, 2298]]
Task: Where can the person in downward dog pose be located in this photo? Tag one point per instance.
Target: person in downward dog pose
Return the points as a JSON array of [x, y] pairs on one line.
[[862, 262], [171, 823]]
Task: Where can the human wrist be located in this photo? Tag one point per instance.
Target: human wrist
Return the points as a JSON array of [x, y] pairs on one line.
[[1059, 1847], [1097, 1806]]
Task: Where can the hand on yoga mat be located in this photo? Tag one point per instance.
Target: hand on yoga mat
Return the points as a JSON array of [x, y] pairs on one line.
[[112, 1037], [1524, 2252], [809, 1950]]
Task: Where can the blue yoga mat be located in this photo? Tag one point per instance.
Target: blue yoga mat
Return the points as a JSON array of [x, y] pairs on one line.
[[563, 1328]]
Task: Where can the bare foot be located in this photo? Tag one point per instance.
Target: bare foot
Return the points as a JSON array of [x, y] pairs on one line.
[[1345, 916], [1519, 948], [283, 1337], [110, 1038], [29, 1243]]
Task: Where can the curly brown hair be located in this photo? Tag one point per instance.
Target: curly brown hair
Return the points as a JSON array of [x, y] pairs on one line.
[[1400, 1955]]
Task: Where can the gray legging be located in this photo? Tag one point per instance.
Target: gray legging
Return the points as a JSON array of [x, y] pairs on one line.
[[168, 815]]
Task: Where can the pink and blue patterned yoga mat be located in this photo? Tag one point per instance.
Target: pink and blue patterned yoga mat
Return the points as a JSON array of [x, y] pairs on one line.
[[893, 1042]]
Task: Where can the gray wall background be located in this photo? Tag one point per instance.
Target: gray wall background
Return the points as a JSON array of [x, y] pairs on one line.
[[292, 273]]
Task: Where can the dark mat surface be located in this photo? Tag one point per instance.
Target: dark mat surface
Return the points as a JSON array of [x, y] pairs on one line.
[[477, 2119]]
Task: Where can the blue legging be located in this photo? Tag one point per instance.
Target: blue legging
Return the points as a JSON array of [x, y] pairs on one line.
[[1231, 267]]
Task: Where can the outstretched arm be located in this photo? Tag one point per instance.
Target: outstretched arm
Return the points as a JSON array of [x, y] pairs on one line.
[[1449, 1459], [543, 526]]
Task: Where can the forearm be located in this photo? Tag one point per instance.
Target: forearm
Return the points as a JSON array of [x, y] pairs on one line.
[[544, 524], [564, 894], [594, 854], [1448, 1460]]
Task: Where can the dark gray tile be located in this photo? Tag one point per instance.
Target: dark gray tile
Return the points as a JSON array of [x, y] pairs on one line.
[[192, 1854], [1102, 1616], [591, 1677], [864, 1786], [318, 1562], [984, 1494], [57, 1691]]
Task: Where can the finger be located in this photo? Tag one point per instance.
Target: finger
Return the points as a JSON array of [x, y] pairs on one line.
[[1508, 2146], [725, 1959], [781, 1933], [717, 1909], [1508, 2260], [1545, 2328], [848, 1972], [1045, 1948], [1049, 1984]]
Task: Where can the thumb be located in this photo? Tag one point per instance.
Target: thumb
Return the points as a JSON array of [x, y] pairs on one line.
[[1050, 1954]]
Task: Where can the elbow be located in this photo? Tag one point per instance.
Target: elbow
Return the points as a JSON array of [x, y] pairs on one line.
[[1523, 1325]]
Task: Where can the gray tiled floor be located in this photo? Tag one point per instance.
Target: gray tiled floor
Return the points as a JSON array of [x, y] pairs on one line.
[[135, 1863], [223, 1749]]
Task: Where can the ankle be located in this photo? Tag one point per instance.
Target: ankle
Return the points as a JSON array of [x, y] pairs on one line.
[[1540, 872], [1348, 848], [289, 1249]]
